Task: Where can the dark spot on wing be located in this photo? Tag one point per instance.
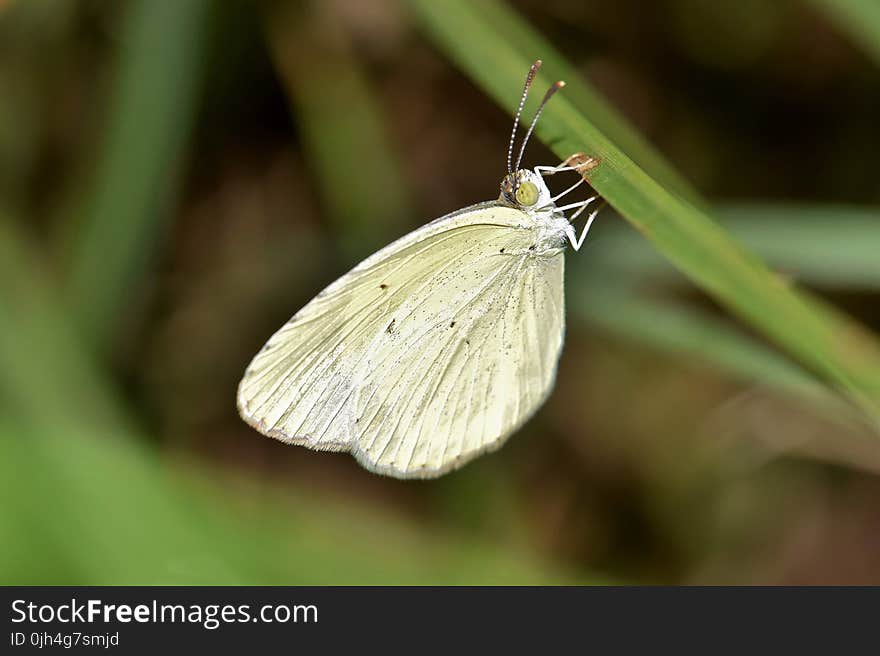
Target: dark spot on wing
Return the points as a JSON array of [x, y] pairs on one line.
[[452, 324], [383, 286], [501, 251], [532, 247]]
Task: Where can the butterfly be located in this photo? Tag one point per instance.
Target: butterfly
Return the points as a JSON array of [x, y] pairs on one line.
[[438, 347]]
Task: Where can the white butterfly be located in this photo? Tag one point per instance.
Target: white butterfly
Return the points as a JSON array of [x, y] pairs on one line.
[[436, 348]]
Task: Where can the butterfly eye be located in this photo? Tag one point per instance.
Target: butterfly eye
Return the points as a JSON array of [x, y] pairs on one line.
[[527, 194]]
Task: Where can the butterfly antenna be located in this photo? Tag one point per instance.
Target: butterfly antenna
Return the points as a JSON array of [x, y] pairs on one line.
[[556, 86], [522, 102]]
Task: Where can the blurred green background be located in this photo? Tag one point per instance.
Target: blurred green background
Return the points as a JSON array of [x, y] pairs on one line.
[[178, 178]]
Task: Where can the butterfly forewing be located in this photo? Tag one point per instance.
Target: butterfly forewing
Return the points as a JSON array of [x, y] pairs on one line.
[[426, 354]]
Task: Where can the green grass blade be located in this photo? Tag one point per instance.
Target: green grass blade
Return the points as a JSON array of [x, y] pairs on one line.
[[859, 18], [820, 245], [824, 245], [152, 106], [823, 339]]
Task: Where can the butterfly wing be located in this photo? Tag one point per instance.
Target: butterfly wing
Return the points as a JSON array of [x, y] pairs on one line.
[[425, 355]]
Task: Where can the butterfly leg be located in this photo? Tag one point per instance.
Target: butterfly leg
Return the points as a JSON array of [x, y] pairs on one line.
[[578, 162], [565, 192], [568, 191], [576, 244]]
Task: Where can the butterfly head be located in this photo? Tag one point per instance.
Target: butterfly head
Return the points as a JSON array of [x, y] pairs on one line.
[[525, 190]]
